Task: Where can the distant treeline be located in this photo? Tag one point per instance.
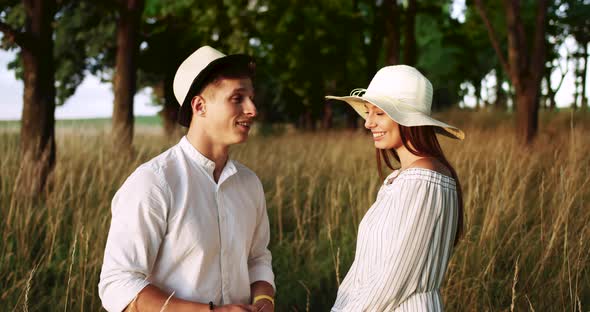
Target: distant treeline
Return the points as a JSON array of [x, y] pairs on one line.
[[304, 50]]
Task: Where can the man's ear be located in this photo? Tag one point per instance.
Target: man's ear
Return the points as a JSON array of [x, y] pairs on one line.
[[198, 105]]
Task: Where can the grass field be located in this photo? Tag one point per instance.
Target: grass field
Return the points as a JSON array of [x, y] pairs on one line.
[[526, 244]]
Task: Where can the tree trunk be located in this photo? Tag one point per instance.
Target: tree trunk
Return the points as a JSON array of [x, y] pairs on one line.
[[126, 72], [546, 102], [351, 115], [169, 112], [352, 119], [477, 96], [37, 135], [372, 50], [327, 116], [500, 104], [526, 74], [584, 103], [169, 117], [552, 92], [392, 32], [549, 102], [485, 102], [527, 111], [524, 69], [306, 120], [410, 35], [577, 87], [552, 104], [328, 111]]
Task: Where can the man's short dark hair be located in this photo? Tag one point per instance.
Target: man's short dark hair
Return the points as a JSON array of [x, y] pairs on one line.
[[227, 71]]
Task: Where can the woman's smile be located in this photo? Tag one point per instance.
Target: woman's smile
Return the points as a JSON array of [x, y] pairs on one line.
[[377, 135]]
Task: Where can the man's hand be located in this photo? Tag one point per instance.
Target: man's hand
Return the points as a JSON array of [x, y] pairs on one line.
[[262, 288], [236, 308], [264, 305]]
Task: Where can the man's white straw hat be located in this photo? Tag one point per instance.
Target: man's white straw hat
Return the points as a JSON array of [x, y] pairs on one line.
[[404, 94], [194, 72]]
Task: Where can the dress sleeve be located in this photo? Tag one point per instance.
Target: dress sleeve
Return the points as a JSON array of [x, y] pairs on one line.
[[260, 259], [414, 220], [138, 225], [344, 289]]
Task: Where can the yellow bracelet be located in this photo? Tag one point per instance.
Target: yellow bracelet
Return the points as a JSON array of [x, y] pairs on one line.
[[260, 297]]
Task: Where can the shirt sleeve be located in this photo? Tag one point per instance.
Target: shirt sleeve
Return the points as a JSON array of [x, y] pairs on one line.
[[391, 284], [260, 259], [138, 225]]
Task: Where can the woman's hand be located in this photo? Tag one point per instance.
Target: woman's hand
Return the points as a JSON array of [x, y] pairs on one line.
[[264, 305]]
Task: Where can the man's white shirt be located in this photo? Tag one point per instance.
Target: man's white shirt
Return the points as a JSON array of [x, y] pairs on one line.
[[175, 228]]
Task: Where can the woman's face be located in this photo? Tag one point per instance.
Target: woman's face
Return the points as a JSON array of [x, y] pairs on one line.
[[385, 131]]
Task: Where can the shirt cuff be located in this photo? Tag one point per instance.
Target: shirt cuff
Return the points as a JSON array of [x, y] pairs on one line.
[[262, 273], [117, 298]]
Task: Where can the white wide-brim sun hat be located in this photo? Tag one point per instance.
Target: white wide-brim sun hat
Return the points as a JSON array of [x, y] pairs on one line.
[[404, 94]]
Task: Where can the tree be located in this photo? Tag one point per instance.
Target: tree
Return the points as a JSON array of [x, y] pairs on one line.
[[392, 30], [445, 54], [578, 22], [557, 31], [37, 135], [124, 81], [410, 34], [372, 41], [101, 23], [305, 60], [171, 31], [111, 32], [55, 41], [551, 92], [477, 58], [525, 63], [501, 104]]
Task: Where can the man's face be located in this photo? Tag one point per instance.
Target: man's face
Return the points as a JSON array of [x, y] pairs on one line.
[[229, 110]]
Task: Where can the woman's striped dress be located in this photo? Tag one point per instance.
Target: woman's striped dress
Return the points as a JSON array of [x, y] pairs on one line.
[[403, 247]]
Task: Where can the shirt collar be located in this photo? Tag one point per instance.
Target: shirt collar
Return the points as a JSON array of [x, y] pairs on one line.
[[207, 164]]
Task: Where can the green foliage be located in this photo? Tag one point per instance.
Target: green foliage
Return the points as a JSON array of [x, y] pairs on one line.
[[442, 54], [477, 56], [304, 49], [81, 30], [169, 36], [72, 45], [12, 13], [308, 49], [578, 20], [298, 51]]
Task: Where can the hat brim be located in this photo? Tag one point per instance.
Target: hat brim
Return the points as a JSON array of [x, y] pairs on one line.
[[185, 113], [400, 114]]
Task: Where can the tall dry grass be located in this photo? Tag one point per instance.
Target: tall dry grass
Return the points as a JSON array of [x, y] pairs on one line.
[[526, 244]]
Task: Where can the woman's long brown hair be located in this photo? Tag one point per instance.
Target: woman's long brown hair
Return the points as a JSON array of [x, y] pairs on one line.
[[422, 141]]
